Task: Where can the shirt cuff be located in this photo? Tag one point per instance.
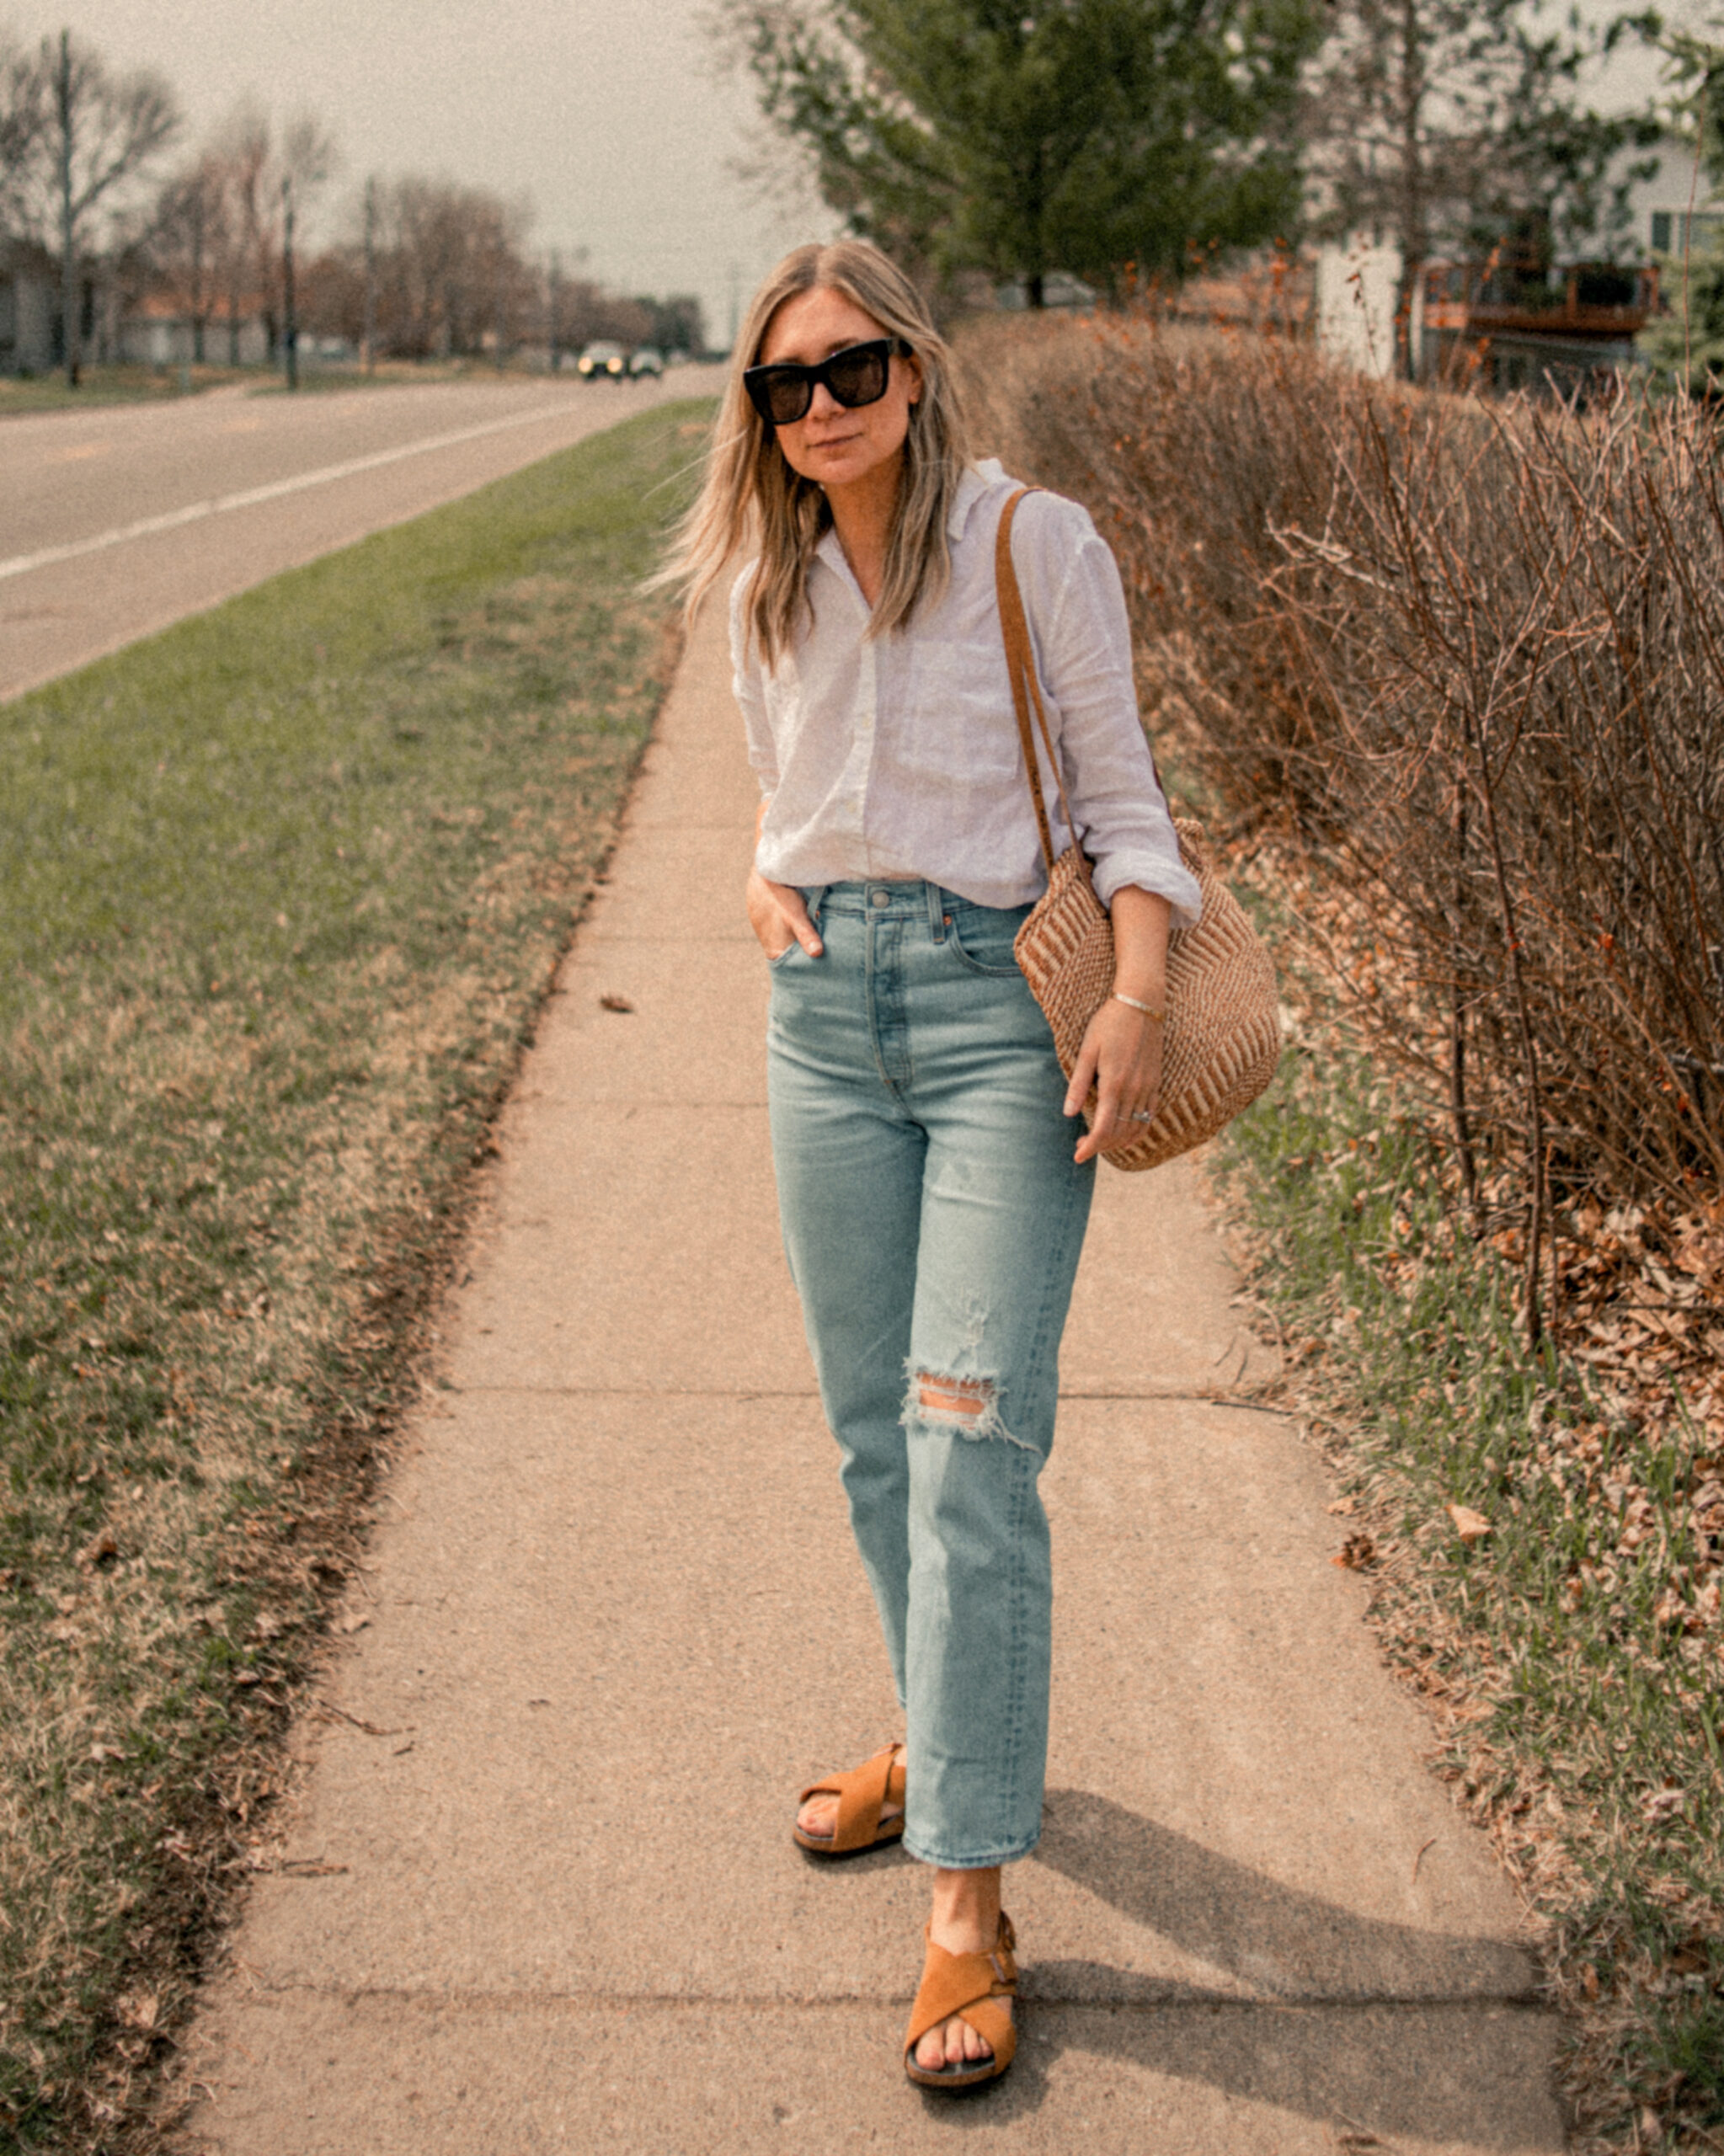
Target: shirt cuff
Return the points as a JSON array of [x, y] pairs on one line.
[[1170, 880]]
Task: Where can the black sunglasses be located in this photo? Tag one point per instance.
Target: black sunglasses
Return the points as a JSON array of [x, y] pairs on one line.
[[858, 375]]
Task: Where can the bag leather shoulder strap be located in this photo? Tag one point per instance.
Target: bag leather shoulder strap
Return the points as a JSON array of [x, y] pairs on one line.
[[1025, 690]]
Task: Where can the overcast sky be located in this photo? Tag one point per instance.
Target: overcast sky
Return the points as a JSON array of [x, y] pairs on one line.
[[607, 115]]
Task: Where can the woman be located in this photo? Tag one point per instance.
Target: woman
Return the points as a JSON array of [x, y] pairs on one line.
[[932, 1194]]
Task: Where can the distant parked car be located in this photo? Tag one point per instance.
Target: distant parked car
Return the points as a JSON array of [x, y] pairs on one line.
[[602, 362], [647, 361]]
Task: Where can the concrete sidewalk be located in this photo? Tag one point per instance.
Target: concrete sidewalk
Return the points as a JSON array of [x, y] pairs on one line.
[[617, 1618]]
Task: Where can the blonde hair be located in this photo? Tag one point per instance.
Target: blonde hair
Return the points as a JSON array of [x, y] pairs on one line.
[[752, 498]]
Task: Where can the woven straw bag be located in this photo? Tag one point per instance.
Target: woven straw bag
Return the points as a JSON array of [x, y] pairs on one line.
[[1222, 1035]]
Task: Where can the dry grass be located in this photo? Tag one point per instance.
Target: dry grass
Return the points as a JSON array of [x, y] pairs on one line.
[[285, 888]]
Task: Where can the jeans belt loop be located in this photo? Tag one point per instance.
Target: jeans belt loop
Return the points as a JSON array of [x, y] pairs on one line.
[[937, 912], [815, 898]]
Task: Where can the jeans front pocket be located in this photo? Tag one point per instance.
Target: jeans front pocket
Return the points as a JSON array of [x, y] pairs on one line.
[[784, 956], [982, 937]]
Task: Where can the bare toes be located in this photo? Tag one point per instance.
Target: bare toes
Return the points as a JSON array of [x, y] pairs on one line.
[[819, 1816]]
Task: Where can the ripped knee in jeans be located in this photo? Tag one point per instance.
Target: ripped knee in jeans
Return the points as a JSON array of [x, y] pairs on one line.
[[968, 1405]]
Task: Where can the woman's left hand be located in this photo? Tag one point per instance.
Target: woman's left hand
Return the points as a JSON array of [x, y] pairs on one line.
[[1121, 1055], [1120, 1058]]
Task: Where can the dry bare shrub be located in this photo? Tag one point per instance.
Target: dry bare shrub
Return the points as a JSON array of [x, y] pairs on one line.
[[1479, 652]]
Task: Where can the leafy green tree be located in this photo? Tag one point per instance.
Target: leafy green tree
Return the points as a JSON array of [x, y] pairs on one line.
[[1087, 136]]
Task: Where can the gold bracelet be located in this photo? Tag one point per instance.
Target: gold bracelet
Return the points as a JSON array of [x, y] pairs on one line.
[[1159, 1017]]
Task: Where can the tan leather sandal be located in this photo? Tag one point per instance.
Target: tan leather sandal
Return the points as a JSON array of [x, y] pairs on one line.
[[974, 1986], [863, 1796]]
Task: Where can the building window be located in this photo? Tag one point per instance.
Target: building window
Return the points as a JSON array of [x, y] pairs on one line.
[[1674, 232]]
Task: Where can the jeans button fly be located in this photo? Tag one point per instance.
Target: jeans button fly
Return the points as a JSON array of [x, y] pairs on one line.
[[879, 898]]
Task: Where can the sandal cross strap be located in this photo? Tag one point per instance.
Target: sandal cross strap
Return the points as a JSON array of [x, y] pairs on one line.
[[863, 1794], [978, 1987]]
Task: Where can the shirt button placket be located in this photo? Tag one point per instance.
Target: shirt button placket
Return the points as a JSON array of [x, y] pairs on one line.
[[862, 755]]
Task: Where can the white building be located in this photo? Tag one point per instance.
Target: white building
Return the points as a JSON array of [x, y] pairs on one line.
[[1359, 286], [1676, 209], [157, 333]]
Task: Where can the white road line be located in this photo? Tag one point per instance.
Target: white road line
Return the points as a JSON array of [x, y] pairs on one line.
[[22, 564]]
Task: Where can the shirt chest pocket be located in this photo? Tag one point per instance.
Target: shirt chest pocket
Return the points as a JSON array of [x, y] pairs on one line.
[[956, 721]]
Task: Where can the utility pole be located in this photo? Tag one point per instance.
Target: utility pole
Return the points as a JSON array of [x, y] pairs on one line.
[[290, 320], [197, 266], [553, 281], [71, 295], [369, 339]]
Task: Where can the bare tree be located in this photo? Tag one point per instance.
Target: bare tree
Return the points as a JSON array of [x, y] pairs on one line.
[[447, 268], [237, 158], [431, 270], [189, 241], [102, 131], [260, 180], [24, 123]]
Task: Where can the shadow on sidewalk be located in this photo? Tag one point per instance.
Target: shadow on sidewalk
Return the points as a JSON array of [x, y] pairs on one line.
[[1284, 1943], [1360, 2026], [1377, 2076]]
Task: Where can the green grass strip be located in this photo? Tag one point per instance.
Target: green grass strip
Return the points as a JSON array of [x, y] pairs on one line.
[[283, 888]]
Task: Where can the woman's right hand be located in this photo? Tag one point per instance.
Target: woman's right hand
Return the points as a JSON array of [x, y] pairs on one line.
[[779, 914]]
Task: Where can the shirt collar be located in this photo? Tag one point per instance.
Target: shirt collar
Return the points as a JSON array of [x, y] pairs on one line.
[[976, 480]]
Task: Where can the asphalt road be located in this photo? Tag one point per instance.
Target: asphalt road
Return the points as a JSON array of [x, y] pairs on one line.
[[116, 521]]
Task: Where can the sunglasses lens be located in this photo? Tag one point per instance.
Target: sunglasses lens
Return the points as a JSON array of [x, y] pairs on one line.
[[781, 396], [857, 377], [788, 396]]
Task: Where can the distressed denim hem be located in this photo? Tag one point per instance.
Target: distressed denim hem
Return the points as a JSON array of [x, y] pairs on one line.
[[972, 1863]]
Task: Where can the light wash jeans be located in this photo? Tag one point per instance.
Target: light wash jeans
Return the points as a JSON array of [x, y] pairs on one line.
[[934, 1219]]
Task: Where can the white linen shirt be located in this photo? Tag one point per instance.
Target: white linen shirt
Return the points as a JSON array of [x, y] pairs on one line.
[[899, 757]]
